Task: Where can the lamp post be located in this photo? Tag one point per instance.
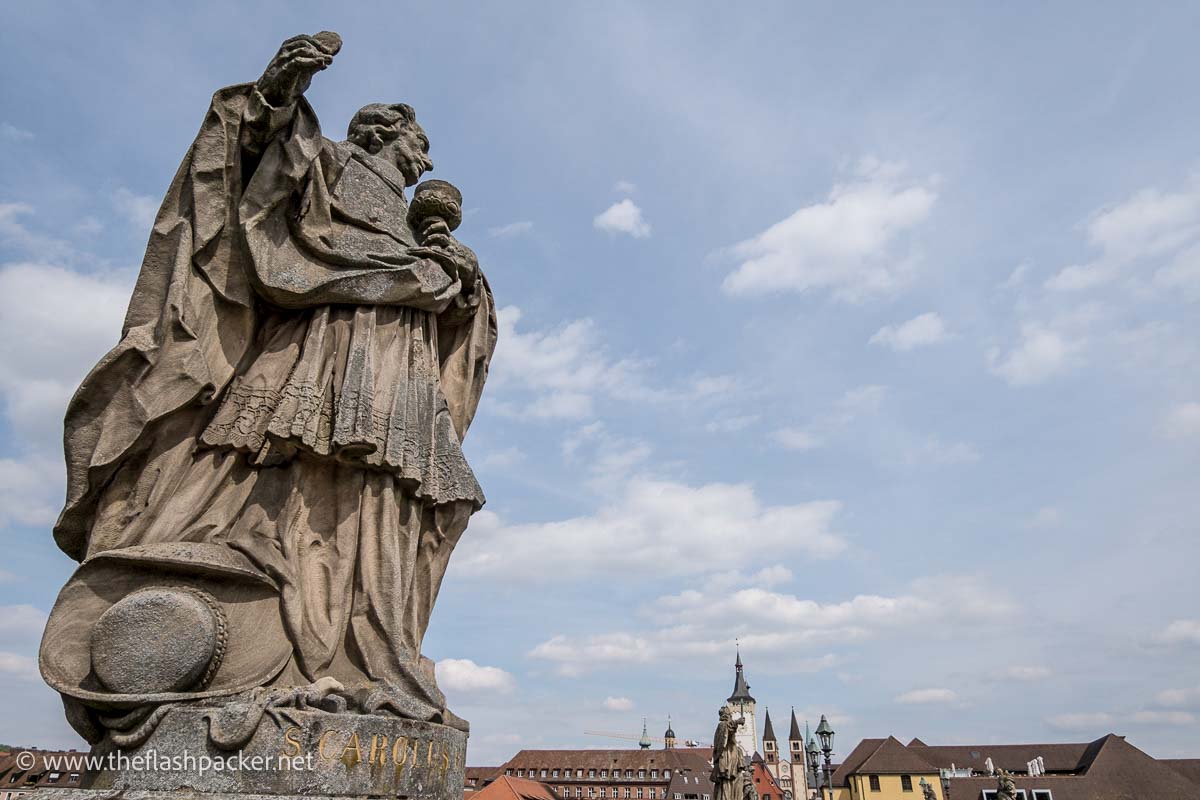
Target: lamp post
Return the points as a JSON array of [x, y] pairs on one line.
[[814, 762], [825, 735]]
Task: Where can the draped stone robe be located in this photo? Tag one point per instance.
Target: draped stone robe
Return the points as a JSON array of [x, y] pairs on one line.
[[289, 383]]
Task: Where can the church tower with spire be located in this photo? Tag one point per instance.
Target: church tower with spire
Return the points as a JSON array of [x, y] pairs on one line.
[[798, 765], [669, 736], [770, 746], [741, 704]]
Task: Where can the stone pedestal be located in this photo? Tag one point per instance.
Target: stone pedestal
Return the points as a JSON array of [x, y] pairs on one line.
[[292, 753]]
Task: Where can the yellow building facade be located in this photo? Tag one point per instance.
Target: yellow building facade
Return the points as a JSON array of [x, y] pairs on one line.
[[884, 769]]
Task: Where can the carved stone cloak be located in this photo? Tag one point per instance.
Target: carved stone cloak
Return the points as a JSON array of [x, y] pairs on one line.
[[248, 246]]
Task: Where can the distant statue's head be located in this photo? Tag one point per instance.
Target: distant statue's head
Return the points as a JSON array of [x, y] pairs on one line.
[[723, 714], [390, 131]]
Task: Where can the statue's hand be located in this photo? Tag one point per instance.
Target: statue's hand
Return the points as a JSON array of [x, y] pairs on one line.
[[466, 264], [290, 72]]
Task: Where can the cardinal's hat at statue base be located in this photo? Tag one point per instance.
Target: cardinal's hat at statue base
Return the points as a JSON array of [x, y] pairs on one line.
[[161, 623]]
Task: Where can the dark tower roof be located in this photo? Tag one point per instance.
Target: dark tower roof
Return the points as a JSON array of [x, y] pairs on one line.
[[670, 734], [768, 731], [794, 734], [741, 689]]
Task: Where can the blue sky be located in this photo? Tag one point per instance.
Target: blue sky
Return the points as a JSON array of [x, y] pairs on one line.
[[866, 334]]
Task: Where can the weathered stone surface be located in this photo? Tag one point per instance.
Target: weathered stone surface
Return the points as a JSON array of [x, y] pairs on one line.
[[266, 478], [329, 755], [157, 640]]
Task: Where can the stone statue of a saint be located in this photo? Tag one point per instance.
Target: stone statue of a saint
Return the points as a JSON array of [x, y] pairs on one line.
[[1006, 787], [729, 760], [265, 476]]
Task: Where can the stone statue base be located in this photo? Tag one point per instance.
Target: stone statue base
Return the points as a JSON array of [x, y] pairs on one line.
[[292, 753]]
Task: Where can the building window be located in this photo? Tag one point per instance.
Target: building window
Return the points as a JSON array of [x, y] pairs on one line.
[[654, 774], [628, 793], [579, 791], [874, 781], [508, 772], [666, 774], [603, 773], [639, 793], [591, 791], [543, 772], [678, 796], [906, 782], [1042, 794], [641, 774], [628, 773], [520, 773], [603, 793], [54, 776], [74, 778]]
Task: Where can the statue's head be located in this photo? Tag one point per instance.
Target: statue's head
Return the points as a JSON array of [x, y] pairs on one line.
[[723, 714], [390, 131]]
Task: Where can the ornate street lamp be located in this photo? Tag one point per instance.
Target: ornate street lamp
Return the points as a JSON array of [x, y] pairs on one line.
[[825, 735], [814, 762]]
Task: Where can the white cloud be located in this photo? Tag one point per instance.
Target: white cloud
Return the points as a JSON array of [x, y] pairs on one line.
[[1182, 421], [696, 625], [573, 657], [1024, 673], [54, 325], [1180, 631], [1164, 718], [610, 459], [12, 133], [618, 703], [1043, 353], [853, 404], [624, 216], [731, 424], [19, 667], [1015, 278], [851, 244], [1182, 273], [1179, 698], [564, 367], [1151, 224], [464, 675], [1088, 722], [796, 439], [920, 331], [928, 697], [21, 621], [139, 209], [934, 451], [504, 459], [1045, 517], [649, 525], [511, 230]]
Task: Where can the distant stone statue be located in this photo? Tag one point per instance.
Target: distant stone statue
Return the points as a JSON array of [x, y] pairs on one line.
[[927, 791], [1006, 787], [749, 792], [728, 758], [265, 476]]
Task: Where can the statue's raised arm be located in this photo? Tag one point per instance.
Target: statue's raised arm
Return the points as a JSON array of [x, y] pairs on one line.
[[290, 72]]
